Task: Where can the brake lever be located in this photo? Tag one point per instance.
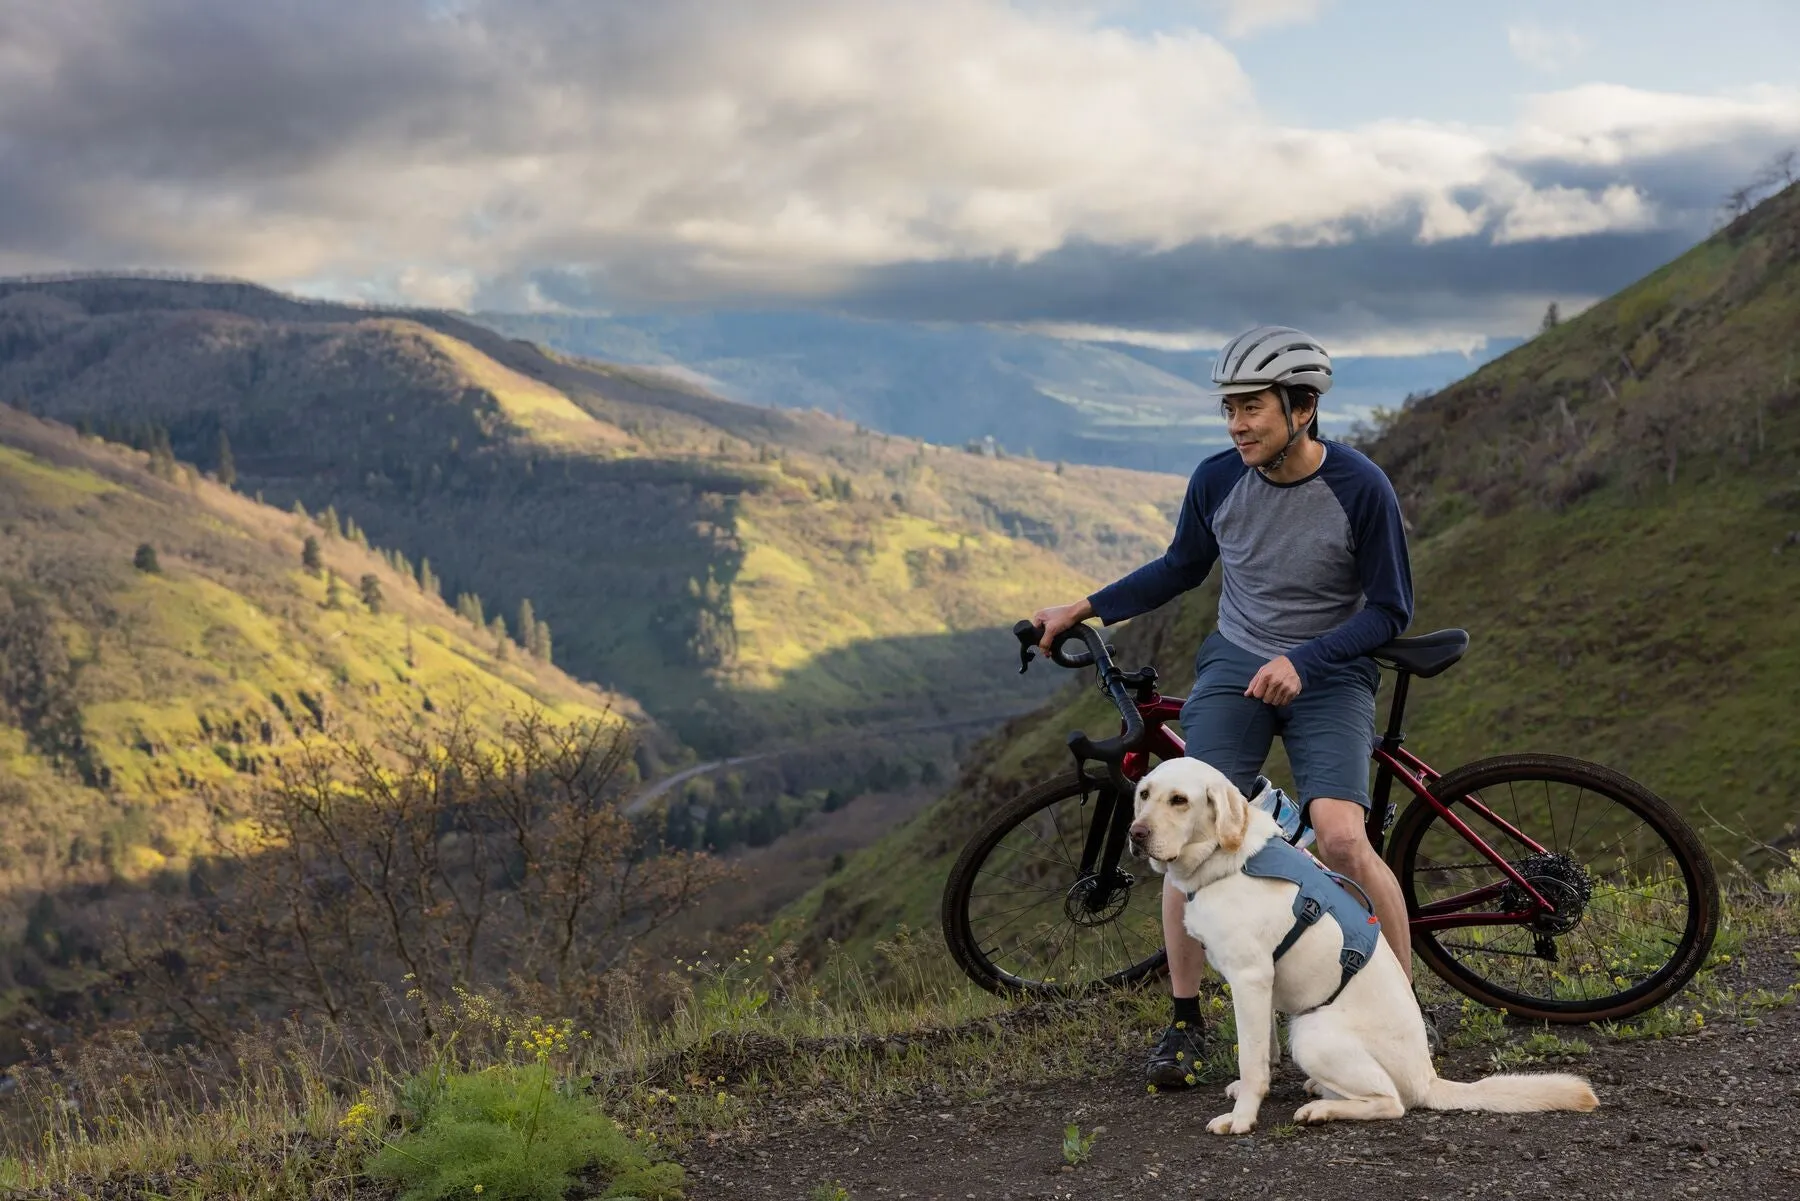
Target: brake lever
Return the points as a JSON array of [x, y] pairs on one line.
[[1027, 633]]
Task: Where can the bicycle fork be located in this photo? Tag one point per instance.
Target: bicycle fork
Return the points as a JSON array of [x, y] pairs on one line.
[[1108, 827]]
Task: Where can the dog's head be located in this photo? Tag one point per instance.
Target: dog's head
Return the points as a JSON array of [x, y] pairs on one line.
[[1186, 809]]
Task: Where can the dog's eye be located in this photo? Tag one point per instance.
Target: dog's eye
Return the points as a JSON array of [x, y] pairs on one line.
[[1177, 800]]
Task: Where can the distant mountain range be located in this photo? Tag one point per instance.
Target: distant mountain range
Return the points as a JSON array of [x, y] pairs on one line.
[[1110, 404]]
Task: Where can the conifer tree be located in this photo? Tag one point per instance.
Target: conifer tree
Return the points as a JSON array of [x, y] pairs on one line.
[[227, 465], [429, 584], [145, 559], [527, 627], [370, 589], [543, 650], [334, 593], [330, 522], [309, 556], [162, 455], [497, 628], [469, 606]]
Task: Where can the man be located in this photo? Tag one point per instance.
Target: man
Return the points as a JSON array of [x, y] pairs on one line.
[[1314, 575]]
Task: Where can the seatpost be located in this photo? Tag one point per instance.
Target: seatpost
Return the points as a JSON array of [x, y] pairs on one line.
[[1397, 711]]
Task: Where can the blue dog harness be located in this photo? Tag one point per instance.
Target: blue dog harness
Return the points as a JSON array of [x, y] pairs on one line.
[[1321, 891]]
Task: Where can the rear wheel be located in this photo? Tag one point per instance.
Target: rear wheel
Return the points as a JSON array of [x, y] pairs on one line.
[[1019, 916], [1636, 901]]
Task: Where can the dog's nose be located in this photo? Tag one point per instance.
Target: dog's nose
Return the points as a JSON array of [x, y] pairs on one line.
[[1139, 831]]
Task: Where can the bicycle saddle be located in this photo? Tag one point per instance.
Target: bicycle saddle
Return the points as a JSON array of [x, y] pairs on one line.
[[1426, 655]]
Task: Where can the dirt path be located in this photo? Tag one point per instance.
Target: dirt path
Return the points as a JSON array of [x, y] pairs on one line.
[[1710, 1113]]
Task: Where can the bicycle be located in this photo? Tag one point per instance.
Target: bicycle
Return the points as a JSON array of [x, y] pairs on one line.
[[1588, 935]]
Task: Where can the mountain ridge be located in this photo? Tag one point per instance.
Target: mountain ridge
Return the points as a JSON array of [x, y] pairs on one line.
[[743, 570]]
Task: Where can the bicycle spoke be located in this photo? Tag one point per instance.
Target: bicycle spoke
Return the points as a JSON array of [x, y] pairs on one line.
[[1034, 919], [1617, 908]]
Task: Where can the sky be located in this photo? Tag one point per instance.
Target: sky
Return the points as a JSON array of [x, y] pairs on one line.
[[1394, 176]]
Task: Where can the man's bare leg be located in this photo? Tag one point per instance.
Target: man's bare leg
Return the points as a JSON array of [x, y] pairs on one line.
[[1343, 846], [1187, 957]]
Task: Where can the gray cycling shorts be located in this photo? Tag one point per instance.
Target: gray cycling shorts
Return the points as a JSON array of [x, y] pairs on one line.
[[1328, 730]]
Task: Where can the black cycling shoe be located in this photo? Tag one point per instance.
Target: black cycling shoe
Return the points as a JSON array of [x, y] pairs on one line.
[[1434, 1038], [1175, 1063]]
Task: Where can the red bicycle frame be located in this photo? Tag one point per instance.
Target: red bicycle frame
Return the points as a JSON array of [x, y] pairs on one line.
[[1394, 762]]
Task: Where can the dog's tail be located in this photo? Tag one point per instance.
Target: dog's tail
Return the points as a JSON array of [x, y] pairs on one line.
[[1512, 1093]]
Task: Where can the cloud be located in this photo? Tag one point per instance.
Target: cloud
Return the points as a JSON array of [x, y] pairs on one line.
[[853, 152], [1245, 17], [1545, 49]]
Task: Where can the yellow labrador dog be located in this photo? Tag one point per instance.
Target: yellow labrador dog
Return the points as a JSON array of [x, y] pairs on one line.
[[1356, 1031]]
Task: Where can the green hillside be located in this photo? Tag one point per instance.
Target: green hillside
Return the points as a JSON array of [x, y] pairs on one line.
[[161, 646], [1612, 510], [745, 572]]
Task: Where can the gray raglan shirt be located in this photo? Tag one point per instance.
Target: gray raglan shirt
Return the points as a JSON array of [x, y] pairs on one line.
[[1315, 570]]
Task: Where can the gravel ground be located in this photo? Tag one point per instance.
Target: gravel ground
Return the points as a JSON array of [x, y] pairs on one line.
[[1715, 1111]]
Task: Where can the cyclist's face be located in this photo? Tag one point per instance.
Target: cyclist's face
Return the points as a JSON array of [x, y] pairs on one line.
[[1257, 425]]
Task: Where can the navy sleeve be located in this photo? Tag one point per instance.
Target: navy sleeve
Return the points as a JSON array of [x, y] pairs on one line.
[[1184, 565], [1381, 563]]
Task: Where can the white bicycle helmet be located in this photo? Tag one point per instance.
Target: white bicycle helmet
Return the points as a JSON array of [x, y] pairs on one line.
[[1279, 357], [1268, 355]]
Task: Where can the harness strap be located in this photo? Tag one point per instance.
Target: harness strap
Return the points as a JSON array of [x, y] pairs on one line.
[[1307, 911], [1309, 908]]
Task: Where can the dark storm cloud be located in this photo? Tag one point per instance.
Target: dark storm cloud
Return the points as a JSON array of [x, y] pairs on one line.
[[1373, 283]]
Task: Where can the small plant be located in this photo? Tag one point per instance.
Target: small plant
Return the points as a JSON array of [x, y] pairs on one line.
[[1478, 1026], [829, 1192], [1541, 1047], [513, 1132], [145, 559], [1076, 1146]]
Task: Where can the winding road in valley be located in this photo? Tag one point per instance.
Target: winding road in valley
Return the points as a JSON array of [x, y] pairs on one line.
[[662, 786]]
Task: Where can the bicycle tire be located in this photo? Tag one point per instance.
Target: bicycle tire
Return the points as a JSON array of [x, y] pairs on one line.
[[1678, 839], [959, 934]]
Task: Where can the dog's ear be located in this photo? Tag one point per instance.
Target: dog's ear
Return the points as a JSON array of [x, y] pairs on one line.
[[1231, 815]]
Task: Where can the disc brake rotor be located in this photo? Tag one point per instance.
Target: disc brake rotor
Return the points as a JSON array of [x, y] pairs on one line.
[[1081, 894]]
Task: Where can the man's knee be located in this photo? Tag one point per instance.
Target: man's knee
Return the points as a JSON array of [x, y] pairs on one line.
[[1338, 828]]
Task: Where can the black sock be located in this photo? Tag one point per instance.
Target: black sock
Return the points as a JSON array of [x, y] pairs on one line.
[[1187, 1009]]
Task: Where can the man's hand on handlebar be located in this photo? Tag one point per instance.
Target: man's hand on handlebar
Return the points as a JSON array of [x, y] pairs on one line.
[[1058, 618]]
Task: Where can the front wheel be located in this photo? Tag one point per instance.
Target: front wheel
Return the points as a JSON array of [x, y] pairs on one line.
[[1019, 915], [1635, 901]]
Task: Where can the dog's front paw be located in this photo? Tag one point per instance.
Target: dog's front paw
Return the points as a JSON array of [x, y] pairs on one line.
[[1230, 1123], [1313, 1111]]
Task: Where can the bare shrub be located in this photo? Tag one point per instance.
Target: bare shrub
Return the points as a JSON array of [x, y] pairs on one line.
[[434, 861]]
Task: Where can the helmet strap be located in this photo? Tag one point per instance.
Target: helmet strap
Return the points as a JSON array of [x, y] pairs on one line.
[[1287, 411]]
